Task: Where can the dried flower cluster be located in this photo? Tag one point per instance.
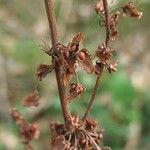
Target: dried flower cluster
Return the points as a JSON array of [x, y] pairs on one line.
[[28, 131], [76, 133], [81, 135]]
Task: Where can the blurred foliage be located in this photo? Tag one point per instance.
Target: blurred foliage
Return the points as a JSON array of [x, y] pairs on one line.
[[123, 99]]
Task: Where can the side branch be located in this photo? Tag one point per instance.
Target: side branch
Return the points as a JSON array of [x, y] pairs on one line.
[[92, 98], [105, 5], [54, 39]]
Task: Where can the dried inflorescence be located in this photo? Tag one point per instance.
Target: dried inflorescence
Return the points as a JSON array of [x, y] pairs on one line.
[[128, 9], [69, 57], [80, 135], [28, 131], [76, 133]]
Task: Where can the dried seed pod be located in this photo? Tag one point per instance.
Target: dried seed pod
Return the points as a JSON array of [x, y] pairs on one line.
[[76, 89], [112, 23], [85, 61], [99, 67], [103, 53], [131, 10]]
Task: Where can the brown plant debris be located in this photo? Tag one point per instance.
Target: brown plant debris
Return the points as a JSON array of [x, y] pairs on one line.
[[31, 100], [68, 57], [83, 135], [85, 61], [43, 70], [103, 53], [28, 131], [76, 89], [131, 10]]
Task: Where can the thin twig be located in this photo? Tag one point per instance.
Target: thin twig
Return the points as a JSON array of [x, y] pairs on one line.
[[105, 4], [92, 98], [54, 39]]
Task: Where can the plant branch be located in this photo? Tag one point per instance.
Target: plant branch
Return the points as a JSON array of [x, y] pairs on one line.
[[54, 39], [105, 4], [92, 98]]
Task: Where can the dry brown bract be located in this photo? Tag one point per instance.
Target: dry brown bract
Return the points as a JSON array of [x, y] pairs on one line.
[[43, 70], [76, 89], [131, 10]]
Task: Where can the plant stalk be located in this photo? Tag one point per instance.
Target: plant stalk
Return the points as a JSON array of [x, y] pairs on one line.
[[105, 4], [54, 39], [92, 98]]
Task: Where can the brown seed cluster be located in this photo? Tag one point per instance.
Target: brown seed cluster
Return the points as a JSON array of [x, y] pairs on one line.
[[81, 135], [28, 131]]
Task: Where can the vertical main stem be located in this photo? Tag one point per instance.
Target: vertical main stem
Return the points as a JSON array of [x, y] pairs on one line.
[[54, 39]]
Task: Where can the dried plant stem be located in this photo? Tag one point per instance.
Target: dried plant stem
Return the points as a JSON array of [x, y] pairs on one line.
[[105, 4], [92, 98], [54, 39]]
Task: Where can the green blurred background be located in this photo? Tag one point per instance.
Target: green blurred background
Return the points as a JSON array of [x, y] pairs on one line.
[[122, 104]]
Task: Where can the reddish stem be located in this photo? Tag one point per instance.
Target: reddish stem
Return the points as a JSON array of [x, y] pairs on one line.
[[105, 4], [54, 39]]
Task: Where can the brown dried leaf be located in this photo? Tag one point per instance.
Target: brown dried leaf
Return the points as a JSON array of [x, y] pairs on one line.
[[28, 131], [85, 61], [78, 37], [76, 89], [131, 10], [31, 100], [74, 44], [43, 70]]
